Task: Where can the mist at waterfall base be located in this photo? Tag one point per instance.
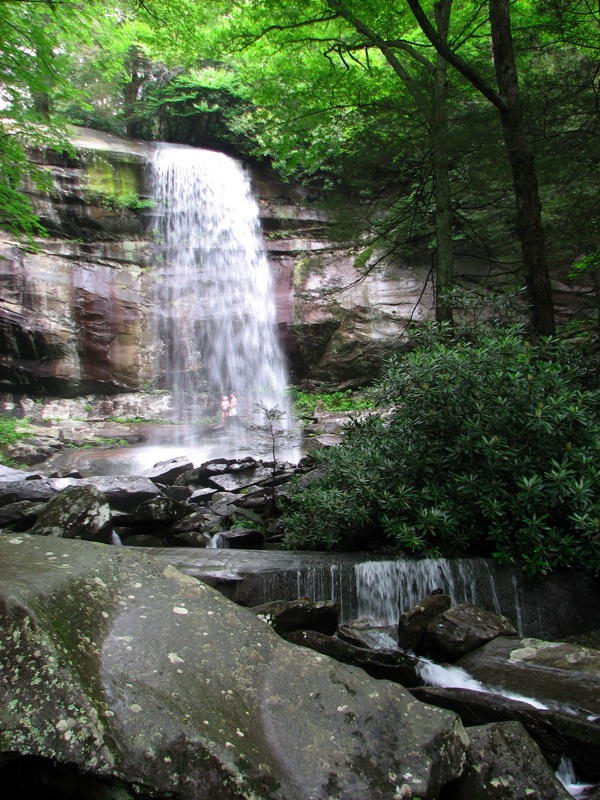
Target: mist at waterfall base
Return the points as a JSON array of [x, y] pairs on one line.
[[213, 310]]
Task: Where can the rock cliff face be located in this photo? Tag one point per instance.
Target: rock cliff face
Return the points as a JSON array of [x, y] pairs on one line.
[[73, 314]]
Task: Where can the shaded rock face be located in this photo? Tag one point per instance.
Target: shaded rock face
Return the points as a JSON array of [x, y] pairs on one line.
[[133, 672], [72, 314]]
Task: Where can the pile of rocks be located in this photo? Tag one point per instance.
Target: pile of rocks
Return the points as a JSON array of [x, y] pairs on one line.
[[515, 743], [173, 504]]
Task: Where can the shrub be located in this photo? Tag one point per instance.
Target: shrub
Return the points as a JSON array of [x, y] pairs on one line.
[[340, 401], [491, 447], [9, 434]]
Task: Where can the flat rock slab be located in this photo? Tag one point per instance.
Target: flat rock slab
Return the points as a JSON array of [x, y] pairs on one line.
[[553, 672], [124, 667], [236, 481]]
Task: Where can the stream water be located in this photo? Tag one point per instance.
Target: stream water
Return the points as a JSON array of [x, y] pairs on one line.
[[214, 316]]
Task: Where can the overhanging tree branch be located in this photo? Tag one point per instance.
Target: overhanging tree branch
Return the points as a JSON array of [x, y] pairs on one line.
[[452, 57]]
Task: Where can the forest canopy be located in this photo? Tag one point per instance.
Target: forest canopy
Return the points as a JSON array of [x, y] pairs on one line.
[[453, 124]]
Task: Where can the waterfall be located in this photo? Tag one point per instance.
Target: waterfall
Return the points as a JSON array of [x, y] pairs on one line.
[[385, 589], [214, 309]]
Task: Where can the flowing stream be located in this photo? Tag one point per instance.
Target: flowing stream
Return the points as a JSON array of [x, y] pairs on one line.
[[214, 310]]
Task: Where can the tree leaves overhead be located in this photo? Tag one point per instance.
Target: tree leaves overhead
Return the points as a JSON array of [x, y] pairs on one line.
[[315, 89]]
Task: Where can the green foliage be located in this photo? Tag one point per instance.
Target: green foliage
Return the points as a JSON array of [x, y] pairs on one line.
[[31, 67], [10, 434], [346, 400], [8, 430], [120, 202], [491, 447], [245, 524]]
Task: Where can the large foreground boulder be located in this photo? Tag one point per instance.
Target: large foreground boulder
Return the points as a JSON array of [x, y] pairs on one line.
[[129, 670]]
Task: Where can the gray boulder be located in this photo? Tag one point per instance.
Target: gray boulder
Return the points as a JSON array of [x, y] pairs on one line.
[[285, 616], [79, 512], [461, 629], [34, 451], [236, 481], [556, 733], [130, 670], [123, 493], [33, 490], [21, 515], [366, 632], [159, 512], [413, 622], [202, 495], [191, 538], [167, 472], [504, 763]]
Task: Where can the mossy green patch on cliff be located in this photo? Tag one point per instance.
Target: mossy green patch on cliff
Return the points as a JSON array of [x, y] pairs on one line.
[[304, 267], [115, 182], [301, 271], [363, 258]]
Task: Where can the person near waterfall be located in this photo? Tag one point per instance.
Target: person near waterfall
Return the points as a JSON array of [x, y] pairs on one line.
[[232, 405], [224, 408]]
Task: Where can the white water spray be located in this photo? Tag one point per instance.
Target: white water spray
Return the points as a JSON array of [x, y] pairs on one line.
[[446, 677], [215, 329]]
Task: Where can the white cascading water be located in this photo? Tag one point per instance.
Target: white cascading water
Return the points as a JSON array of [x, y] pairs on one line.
[[385, 589], [215, 327]]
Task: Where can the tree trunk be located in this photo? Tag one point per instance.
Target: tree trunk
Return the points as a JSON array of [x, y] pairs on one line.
[[135, 63], [506, 99], [441, 174], [527, 200]]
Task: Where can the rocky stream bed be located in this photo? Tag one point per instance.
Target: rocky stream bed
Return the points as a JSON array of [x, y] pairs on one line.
[[126, 676]]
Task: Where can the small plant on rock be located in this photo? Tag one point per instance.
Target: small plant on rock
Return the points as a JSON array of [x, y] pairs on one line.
[[271, 429]]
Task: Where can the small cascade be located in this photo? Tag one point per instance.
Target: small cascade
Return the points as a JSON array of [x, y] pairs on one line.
[[385, 589], [217, 542], [333, 582], [446, 677], [214, 309], [566, 775]]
